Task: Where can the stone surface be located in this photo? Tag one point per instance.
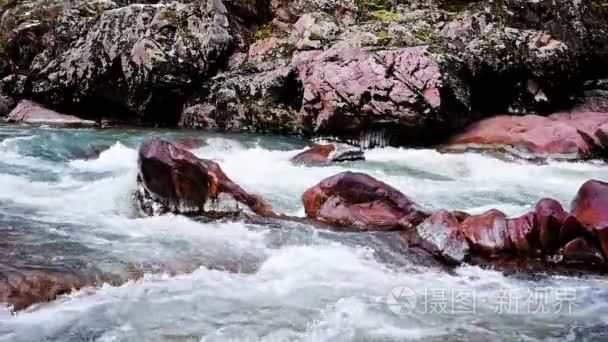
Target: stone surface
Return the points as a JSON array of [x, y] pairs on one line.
[[33, 113], [590, 206], [174, 180], [322, 154], [563, 135], [348, 91], [582, 251], [357, 201], [441, 236]]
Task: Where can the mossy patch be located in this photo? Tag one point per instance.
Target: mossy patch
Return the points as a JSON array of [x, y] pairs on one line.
[[385, 16], [426, 36], [600, 3], [263, 32], [373, 5]]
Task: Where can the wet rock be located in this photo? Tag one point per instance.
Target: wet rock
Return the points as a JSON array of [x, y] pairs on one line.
[[351, 200], [562, 135], [320, 154], [487, 233], [590, 207], [582, 251], [176, 181], [550, 217], [524, 234], [440, 235], [33, 113], [22, 288]]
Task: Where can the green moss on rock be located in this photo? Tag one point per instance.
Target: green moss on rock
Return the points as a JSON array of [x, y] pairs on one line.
[[385, 16], [263, 32]]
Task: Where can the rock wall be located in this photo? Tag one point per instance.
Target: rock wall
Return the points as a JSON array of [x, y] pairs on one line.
[[406, 72]]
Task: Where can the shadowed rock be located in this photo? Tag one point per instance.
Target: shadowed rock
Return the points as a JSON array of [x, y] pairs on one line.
[[590, 206], [174, 180], [329, 153], [581, 251], [356, 200], [550, 217]]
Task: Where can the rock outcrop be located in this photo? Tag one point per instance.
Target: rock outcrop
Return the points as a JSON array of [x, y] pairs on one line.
[[322, 154], [401, 73], [173, 180], [357, 201]]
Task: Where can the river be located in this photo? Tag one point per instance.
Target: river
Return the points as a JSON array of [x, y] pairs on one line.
[[172, 278]]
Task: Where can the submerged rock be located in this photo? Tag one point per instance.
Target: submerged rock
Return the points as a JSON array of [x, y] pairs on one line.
[[33, 113], [357, 201], [320, 154], [174, 180], [577, 135], [22, 288]]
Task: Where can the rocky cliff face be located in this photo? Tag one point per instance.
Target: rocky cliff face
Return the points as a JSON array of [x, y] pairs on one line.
[[379, 71]]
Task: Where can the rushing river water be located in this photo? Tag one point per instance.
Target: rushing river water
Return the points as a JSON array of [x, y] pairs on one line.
[[181, 280]]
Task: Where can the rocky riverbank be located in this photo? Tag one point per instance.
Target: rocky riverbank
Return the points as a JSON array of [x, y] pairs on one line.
[[374, 72]]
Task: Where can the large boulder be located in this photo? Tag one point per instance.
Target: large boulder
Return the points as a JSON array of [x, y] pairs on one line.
[[321, 154], [33, 113], [402, 91], [351, 200], [590, 206], [173, 180], [141, 58], [563, 135]]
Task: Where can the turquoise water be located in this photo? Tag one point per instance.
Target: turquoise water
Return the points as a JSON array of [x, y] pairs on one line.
[[65, 205]]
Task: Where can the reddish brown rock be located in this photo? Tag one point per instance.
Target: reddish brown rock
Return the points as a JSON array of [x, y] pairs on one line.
[[358, 201], [590, 207], [550, 217], [22, 288], [562, 135], [350, 90], [440, 235], [487, 232], [174, 180], [328, 153], [582, 251], [33, 113], [523, 234]]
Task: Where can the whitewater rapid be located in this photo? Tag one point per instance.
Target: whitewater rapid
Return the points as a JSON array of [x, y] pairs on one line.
[[182, 280]]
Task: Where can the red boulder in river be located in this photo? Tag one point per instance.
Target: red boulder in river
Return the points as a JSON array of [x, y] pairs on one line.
[[356, 200], [580, 134], [320, 154], [590, 206], [172, 179]]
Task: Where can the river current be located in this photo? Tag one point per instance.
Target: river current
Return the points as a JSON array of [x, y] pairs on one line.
[[171, 278]]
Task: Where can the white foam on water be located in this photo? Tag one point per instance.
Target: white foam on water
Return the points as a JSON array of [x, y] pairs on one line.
[[285, 283], [117, 157]]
